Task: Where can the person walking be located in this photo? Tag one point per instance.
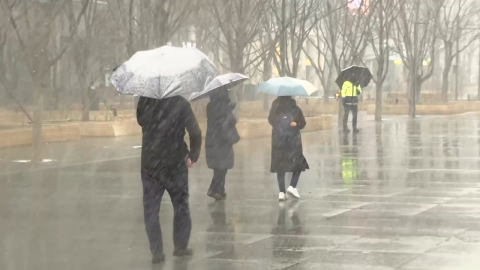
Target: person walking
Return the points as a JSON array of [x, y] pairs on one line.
[[350, 94], [221, 136], [287, 119], [164, 167]]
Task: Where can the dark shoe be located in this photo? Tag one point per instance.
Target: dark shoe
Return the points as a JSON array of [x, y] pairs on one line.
[[356, 130], [346, 130], [158, 258], [217, 196], [221, 197], [183, 252]]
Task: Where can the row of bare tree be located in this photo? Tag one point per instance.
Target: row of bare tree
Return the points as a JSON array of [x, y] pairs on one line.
[[68, 44], [252, 36]]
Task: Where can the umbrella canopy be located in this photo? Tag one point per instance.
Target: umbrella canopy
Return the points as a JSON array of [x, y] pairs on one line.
[[164, 72], [228, 81], [355, 74], [286, 86]]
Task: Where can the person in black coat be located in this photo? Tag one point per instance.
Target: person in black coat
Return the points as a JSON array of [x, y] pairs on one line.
[[221, 136], [164, 167], [287, 119]]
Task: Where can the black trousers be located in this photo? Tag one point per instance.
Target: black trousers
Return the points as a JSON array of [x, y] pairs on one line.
[[218, 181], [281, 180], [175, 182], [354, 110]]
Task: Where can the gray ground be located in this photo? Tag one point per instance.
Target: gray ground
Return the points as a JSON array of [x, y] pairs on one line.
[[400, 195]]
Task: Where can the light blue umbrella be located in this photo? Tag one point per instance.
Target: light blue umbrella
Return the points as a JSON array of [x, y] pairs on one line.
[[286, 86]]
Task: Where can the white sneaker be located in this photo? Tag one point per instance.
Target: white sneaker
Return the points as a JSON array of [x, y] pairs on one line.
[[282, 196], [293, 192]]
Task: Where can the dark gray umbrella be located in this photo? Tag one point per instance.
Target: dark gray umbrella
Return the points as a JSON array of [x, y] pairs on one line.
[[164, 72], [355, 74], [228, 81]]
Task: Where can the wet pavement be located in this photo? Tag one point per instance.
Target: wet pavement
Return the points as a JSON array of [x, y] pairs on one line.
[[400, 195]]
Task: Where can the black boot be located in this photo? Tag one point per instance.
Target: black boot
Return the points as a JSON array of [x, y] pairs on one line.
[[158, 258], [183, 252], [217, 196]]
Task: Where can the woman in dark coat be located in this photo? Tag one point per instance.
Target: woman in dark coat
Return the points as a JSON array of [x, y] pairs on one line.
[[221, 136], [286, 119]]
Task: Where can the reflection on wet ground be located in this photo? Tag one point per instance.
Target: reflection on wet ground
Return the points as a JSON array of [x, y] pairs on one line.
[[400, 195]]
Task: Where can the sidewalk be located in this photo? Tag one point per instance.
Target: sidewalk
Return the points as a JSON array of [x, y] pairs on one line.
[[94, 150], [400, 195]]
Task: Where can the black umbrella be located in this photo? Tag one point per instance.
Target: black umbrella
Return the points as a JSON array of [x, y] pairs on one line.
[[355, 74]]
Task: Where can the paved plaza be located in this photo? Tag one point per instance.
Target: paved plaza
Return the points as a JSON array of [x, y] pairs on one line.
[[400, 195]]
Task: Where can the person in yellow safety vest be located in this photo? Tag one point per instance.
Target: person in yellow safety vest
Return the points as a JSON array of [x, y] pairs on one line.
[[350, 94]]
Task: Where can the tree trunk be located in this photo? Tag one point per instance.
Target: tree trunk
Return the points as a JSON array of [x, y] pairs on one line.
[[55, 89], [340, 114], [328, 84], [445, 80], [283, 41], [236, 94], [86, 105], [446, 70], [418, 90], [267, 74], [130, 46], [411, 99], [37, 131], [85, 115], [414, 67], [380, 65], [378, 101]]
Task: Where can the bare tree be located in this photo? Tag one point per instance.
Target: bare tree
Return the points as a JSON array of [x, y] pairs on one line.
[[239, 23], [295, 20], [9, 59], [268, 43], [122, 12], [36, 26], [167, 18], [415, 37], [145, 24], [385, 12], [205, 26], [324, 39], [456, 23], [320, 60], [345, 35], [90, 49]]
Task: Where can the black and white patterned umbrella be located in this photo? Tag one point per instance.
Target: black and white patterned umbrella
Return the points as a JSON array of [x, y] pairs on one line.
[[164, 72]]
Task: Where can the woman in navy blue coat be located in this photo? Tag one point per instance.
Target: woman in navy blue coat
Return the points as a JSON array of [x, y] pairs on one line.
[[221, 136]]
